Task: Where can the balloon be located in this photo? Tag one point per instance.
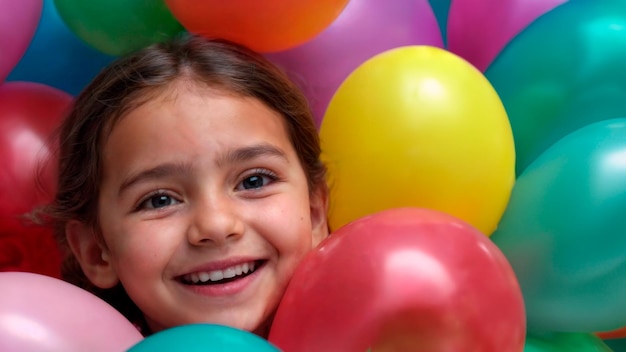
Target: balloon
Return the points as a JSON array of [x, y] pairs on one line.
[[57, 57], [613, 334], [418, 126], [561, 73], [18, 22], [563, 232], [118, 27], [29, 114], [479, 30], [562, 342], [40, 313], [201, 338], [617, 345], [404, 279], [441, 8], [364, 28], [31, 250], [264, 26]]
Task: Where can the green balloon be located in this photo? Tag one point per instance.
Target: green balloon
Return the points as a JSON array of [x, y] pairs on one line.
[[118, 27], [618, 345], [564, 232], [564, 71], [203, 338], [565, 342]]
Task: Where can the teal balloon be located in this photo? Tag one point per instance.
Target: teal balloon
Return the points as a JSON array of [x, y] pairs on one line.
[[564, 71], [441, 8], [565, 342], [564, 232], [203, 338], [618, 345]]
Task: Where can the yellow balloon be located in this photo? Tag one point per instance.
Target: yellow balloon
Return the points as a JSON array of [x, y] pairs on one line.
[[418, 126]]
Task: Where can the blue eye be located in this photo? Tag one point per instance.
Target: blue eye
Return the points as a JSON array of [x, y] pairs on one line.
[[257, 180], [158, 201]]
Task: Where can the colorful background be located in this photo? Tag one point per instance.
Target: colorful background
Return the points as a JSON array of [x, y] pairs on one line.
[[480, 139]]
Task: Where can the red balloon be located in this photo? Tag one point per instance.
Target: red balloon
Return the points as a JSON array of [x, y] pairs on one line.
[[264, 26], [404, 279], [29, 114]]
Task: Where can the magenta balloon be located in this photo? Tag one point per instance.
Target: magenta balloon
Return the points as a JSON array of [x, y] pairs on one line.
[[18, 22], [41, 313], [478, 30], [364, 29]]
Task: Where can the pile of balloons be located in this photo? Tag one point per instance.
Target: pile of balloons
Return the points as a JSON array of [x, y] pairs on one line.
[[476, 154]]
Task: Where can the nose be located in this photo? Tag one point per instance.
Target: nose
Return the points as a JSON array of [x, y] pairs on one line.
[[215, 222]]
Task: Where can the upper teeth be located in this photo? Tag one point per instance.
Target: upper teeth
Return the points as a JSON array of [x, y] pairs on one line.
[[217, 275]]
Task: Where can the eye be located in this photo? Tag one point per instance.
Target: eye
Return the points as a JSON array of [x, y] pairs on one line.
[[157, 201], [257, 179]]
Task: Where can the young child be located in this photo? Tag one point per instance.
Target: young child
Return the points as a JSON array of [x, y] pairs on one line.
[[190, 186]]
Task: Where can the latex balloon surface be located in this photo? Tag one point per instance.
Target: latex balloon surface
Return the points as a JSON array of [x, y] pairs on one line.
[[404, 279], [418, 126], [201, 338], [562, 72], [29, 114], [479, 30], [18, 22], [40, 313], [119, 27], [363, 29], [58, 57], [265, 26], [563, 232]]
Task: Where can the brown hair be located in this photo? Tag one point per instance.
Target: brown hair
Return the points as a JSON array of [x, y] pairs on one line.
[[130, 82]]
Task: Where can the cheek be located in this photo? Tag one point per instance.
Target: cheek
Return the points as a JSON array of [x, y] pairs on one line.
[[140, 248]]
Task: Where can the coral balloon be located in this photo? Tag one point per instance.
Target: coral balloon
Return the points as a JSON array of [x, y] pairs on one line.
[[404, 279], [18, 22], [29, 114], [364, 28], [562, 72], [563, 232], [118, 27], [44, 314], [203, 338], [57, 57], [479, 30], [265, 26], [418, 126]]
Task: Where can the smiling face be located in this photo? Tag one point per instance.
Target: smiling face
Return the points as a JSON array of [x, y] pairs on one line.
[[204, 209]]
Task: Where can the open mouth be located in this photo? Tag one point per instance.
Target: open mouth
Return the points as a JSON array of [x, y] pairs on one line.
[[223, 276]]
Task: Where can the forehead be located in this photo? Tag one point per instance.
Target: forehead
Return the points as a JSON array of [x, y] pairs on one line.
[[192, 118]]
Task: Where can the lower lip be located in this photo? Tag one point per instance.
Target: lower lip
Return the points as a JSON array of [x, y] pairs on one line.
[[227, 289]]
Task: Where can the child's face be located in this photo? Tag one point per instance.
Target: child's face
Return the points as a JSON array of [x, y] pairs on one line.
[[205, 209]]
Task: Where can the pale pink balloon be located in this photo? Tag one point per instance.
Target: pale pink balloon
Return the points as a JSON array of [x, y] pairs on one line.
[[41, 313], [18, 22], [479, 29], [364, 28]]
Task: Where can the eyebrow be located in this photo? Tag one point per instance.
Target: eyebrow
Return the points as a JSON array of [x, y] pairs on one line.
[[251, 152], [234, 156]]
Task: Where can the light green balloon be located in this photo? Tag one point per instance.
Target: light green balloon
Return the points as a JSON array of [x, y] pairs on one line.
[[564, 71], [564, 232], [565, 342], [118, 27]]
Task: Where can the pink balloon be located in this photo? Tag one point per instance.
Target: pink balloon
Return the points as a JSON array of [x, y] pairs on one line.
[[364, 29], [478, 30], [18, 22], [41, 313]]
